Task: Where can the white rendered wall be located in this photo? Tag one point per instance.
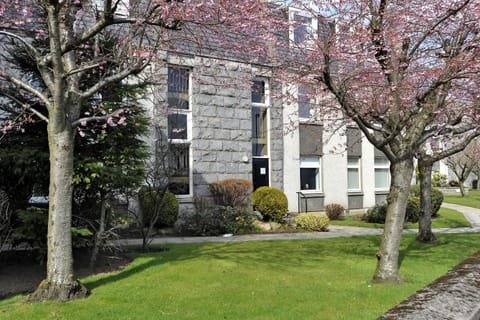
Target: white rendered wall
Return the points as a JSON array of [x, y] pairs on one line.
[[334, 165], [291, 162]]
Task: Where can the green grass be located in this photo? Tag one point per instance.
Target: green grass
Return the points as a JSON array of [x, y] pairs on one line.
[[299, 279], [447, 218], [472, 199]]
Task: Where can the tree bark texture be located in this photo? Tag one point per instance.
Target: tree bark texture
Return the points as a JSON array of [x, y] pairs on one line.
[[425, 233], [60, 284], [387, 264], [99, 234]]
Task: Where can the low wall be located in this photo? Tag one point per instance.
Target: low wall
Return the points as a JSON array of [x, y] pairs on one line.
[[455, 296]]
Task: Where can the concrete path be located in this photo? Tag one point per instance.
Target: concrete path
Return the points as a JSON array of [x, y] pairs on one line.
[[471, 214]]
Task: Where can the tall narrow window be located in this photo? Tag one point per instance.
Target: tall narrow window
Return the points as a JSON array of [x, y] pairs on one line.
[[382, 174], [354, 154], [353, 173], [260, 136], [304, 100], [179, 129]]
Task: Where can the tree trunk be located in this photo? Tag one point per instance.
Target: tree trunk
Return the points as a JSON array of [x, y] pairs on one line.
[[60, 284], [387, 265], [99, 234], [462, 188], [425, 233]]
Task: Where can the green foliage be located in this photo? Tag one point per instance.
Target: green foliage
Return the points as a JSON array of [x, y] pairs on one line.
[[232, 192], [160, 206], [436, 198], [271, 202], [32, 228], [214, 221], [378, 213], [439, 180], [334, 211], [32, 231], [312, 222], [413, 211]]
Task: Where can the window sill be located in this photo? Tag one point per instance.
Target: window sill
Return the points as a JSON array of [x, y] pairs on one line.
[[355, 193]]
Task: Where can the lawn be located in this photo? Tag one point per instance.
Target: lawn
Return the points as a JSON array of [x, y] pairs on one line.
[[447, 219], [299, 279], [472, 199]]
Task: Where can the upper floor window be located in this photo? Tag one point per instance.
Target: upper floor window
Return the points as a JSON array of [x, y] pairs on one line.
[[179, 129], [260, 117], [304, 26], [122, 7], [304, 100]]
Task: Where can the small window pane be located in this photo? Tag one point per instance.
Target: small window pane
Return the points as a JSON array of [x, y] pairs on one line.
[[309, 178], [259, 131], [178, 160], [258, 91], [177, 126], [353, 178], [302, 28], [382, 177], [304, 103], [310, 162], [178, 80]]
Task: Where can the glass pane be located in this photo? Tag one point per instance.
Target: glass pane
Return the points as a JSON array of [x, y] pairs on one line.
[[353, 162], [310, 162], [353, 178], [179, 168], [304, 102], [259, 131], [302, 28], [382, 178], [258, 91], [177, 126], [178, 79], [309, 179], [380, 161]]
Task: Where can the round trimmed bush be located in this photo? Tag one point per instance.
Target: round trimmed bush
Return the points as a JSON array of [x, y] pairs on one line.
[[436, 198], [164, 204], [378, 213], [312, 222], [271, 202]]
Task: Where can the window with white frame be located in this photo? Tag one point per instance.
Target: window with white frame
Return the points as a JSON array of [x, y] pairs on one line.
[[260, 118], [382, 174], [179, 129], [304, 26], [310, 173], [353, 174], [122, 7]]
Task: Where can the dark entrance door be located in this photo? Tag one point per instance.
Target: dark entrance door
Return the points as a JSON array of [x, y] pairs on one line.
[[260, 172]]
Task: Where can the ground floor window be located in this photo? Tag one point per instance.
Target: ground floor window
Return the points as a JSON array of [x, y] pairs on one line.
[[310, 173], [382, 174], [179, 168], [353, 173]]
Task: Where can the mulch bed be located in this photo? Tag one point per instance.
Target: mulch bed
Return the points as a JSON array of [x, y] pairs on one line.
[[21, 271]]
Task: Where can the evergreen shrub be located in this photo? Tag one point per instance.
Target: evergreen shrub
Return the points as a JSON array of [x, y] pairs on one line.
[[271, 203], [312, 222], [215, 220], [163, 204]]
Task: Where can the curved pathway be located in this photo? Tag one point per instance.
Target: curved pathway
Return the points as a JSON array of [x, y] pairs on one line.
[[471, 214]]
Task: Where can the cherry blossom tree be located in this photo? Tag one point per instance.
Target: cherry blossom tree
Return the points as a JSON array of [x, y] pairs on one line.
[[391, 67], [144, 29]]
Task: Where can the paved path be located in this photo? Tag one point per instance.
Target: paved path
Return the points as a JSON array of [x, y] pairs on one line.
[[471, 214]]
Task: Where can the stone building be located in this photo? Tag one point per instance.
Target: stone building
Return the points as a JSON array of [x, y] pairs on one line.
[[225, 118]]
